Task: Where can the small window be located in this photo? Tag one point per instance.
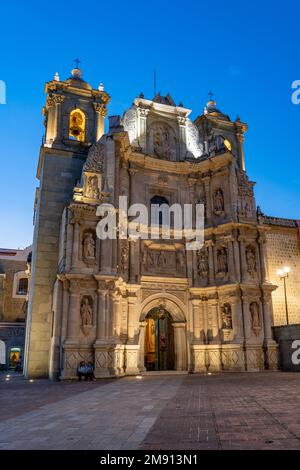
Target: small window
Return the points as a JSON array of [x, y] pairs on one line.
[[22, 286], [77, 125], [159, 201]]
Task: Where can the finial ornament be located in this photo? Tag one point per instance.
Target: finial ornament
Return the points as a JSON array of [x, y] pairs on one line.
[[210, 94], [56, 77], [101, 87]]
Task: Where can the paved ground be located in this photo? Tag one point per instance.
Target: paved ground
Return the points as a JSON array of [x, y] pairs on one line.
[[225, 411]]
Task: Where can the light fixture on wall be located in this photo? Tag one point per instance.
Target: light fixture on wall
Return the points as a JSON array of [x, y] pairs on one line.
[[283, 273]]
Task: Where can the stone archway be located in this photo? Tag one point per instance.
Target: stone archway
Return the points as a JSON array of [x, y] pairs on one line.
[[175, 311]]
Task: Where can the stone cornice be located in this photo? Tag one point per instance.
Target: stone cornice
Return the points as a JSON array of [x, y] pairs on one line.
[[184, 167]]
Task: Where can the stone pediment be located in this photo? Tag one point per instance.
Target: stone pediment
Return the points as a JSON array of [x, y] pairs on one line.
[[161, 129]]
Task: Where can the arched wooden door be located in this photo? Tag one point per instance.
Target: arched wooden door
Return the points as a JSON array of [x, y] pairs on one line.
[[159, 340]]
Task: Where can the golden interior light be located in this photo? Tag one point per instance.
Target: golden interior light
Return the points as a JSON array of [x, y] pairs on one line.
[[77, 125], [227, 144]]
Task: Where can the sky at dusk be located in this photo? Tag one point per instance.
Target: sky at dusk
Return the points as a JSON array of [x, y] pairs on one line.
[[247, 53]]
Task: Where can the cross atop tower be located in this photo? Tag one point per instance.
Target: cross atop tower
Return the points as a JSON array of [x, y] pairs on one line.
[[211, 94], [77, 62]]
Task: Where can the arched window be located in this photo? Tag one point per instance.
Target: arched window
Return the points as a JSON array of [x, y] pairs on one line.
[[227, 144], [22, 286], [159, 200], [77, 125]]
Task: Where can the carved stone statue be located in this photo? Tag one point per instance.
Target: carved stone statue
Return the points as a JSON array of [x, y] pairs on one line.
[[255, 316], [219, 200], [89, 246], [92, 190], [86, 312], [180, 260], [226, 317], [124, 258], [161, 142], [251, 260], [222, 263], [202, 263]]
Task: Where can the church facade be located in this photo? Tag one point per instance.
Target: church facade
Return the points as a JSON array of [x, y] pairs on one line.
[[130, 306]]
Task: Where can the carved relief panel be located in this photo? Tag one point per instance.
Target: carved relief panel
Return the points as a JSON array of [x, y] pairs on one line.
[[163, 260]]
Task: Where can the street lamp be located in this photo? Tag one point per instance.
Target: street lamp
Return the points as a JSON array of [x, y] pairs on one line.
[[284, 274]]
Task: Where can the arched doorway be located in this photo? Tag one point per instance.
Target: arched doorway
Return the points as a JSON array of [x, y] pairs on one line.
[[159, 340]]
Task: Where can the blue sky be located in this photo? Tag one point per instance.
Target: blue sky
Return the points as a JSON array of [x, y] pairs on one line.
[[246, 52]]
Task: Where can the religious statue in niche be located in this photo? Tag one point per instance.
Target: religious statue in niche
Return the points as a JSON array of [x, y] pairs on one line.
[[92, 190], [161, 142], [180, 261], [86, 312], [222, 262], [202, 263], [251, 260], [255, 316], [226, 317], [124, 257], [89, 247], [218, 201]]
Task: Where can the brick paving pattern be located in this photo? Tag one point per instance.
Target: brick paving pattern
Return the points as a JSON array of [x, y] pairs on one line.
[[221, 411]]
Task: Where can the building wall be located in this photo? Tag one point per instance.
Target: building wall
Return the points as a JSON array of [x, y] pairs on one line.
[[11, 304], [283, 249]]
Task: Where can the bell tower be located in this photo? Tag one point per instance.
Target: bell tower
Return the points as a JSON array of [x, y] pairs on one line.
[[74, 120]]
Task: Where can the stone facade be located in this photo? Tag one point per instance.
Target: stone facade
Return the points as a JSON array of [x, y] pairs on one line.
[[92, 299], [14, 279]]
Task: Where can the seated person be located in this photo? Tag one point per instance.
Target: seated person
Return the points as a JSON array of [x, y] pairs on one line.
[[82, 371], [90, 371]]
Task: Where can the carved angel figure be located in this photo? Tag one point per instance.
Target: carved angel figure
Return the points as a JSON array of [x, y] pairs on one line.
[[226, 317], [92, 190], [222, 263], [251, 260]]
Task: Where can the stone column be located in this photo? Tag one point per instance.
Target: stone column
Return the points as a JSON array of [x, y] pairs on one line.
[[75, 245], [236, 310], [267, 315], [182, 136], [206, 181], [243, 260], [101, 112], [232, 276], [196, 320], [142, 126], [53, 106], [65, 308], [211, 265], [236, 252], [101, 310], [240, 140], [132, 324], [247, 323], [215, 318], [74, 312], [143, 325], [180, 345], [263, 259], [205, 319]]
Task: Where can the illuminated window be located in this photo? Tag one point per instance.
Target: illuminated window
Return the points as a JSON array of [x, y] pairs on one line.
[[227, 144], [22, 286], [77, 125]]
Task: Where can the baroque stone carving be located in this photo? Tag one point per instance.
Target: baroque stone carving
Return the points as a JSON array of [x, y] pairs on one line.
[[124, 257], [53, 99], [89, 246], [255, 317], [92, 189], [218, 201], [251, 260], [86, 311], [226, 317], [180, 260], [129, 122], [95, 159], [222, 261], [202, 263]]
